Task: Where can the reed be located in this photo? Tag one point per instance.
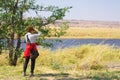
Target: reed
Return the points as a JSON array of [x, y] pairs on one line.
[[79, 58]]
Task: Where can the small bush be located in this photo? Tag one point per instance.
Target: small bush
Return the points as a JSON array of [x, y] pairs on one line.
[[96, 66]]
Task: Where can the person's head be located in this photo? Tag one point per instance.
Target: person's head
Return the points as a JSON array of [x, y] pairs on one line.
[[30, 29]]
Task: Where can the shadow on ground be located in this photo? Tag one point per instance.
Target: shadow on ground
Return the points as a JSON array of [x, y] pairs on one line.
[[56, 76], [115, 75]]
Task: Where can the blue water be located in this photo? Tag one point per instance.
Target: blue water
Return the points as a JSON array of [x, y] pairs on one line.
[[66, 43]]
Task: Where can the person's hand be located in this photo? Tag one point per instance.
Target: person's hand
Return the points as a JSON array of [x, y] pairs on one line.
[[36, 29]]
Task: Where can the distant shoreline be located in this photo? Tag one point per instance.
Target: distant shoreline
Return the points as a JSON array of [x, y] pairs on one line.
[[90, 23]]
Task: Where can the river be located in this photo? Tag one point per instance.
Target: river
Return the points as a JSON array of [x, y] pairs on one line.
[[67, 43]]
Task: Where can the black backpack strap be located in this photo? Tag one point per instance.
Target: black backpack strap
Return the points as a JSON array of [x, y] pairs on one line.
[[28, 40]]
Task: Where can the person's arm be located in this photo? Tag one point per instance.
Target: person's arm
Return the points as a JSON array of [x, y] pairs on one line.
[[37, 34], [37, 31]]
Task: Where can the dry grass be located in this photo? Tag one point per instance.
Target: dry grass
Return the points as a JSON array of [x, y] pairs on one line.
[[84, 62], [93, 32]]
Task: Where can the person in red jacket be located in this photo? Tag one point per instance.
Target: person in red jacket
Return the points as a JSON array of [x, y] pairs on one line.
[[32, 36]]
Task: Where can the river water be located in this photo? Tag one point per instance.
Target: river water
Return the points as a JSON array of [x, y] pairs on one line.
[[67, 43]]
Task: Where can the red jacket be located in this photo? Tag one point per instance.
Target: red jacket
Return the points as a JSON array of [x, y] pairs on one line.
[[28, 48]]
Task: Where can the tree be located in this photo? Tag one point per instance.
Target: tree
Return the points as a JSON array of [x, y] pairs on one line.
[[13, 25]]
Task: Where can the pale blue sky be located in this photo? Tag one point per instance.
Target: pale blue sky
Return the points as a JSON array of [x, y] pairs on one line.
[[103, 10]]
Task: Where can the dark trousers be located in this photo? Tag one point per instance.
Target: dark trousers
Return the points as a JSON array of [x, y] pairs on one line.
[[26, 64]]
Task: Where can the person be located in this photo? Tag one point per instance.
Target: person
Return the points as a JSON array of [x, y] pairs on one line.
[[32, 36]]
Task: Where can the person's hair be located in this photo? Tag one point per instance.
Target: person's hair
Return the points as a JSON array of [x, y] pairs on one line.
[[30, 28]]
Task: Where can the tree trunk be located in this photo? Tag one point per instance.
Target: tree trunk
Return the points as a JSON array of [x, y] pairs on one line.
[[17, 50], [11, 51]]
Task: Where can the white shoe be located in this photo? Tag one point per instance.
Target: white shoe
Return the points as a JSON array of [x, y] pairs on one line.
[[23, 74], [31, 74]]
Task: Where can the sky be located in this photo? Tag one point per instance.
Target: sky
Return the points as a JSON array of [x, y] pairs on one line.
[[102, 10]]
